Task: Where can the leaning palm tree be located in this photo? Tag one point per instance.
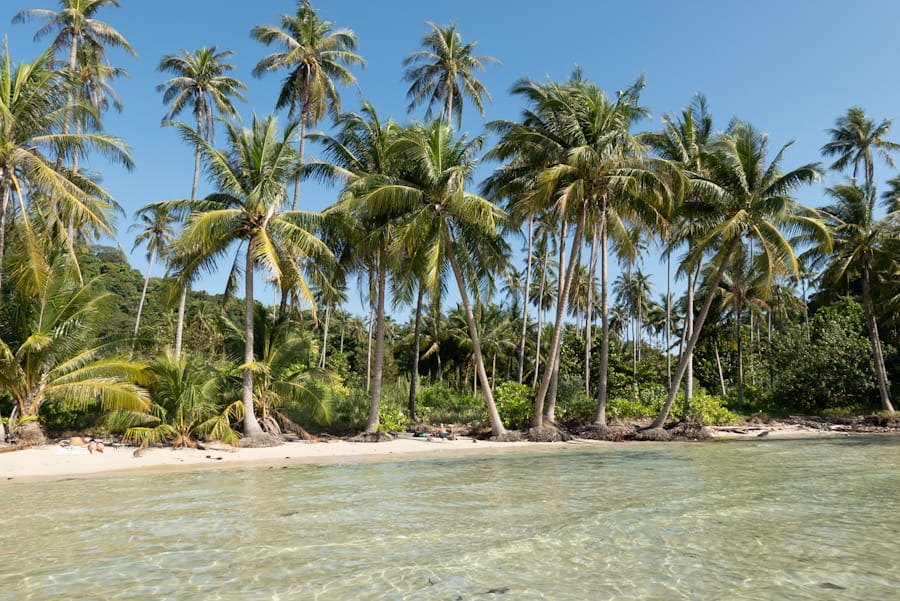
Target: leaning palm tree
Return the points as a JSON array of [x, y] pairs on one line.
[[155, 223], [201, 82], [753, 202], [443, 72], [33, 113], [855, 139], [860, 241], [247, 209], [317, 58], [444, 223], [48, 354]]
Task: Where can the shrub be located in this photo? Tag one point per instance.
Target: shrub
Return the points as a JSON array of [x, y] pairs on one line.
[[392, 417], [576, 409], [441, 404], [708, 409], [515, 403]]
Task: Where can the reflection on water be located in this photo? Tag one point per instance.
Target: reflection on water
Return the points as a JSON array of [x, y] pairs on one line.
[[812, 519]]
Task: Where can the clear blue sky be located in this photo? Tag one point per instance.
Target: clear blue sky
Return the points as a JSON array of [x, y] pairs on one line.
[[789, 67]]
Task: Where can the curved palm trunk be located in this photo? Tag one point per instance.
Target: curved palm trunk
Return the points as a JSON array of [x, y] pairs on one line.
[[560, 314], [378, 367], [884, 387], [137, 321], [525, 304], [414, 368], [300, 148], [600, 415], [494, 417], [669, 321], [251, 425], [686, 334], [695, 335], [740, 358]]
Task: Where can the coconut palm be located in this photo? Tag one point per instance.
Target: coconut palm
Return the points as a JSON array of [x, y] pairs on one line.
[[317, 58], [855, 139], [48, 354], [247, 208], [74, 24], [200, 82], [33, 112], [753, 201], [185, 394], [860, 241], [442, 73], [360, 157], [155, 224], [444, 223]]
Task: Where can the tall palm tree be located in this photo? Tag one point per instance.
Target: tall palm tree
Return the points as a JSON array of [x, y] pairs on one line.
[[250, 178], [860, 241], [75, 24], [442, 73], [360, 157], [317, 58], [855, 139], [200, 81], [753, 201], [155, 223], [445, 223], [33, 113]]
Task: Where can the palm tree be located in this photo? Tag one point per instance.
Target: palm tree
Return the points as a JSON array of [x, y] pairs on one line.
[[48, 355], [442, 73], [444, 223], [155, 223], [185, 394], [752, 202], [360, 157], [33, 113], [860, 240], [200, 82], [75, 24], [250, 177], [854, 140], [317, 58]]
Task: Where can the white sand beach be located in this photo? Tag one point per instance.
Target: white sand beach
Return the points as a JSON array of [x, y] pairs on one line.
[[54, 462]]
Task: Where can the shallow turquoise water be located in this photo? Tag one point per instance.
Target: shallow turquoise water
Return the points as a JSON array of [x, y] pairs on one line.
[[811, 519]]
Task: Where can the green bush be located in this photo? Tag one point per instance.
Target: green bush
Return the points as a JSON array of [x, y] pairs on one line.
[[515, 403], [708, 409], [392, 417], [576, 409], [441, 404]]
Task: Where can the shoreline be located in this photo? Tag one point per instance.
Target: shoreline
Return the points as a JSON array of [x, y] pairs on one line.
[[53, 462]]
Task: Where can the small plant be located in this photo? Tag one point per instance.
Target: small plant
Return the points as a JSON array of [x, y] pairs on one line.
[[392, 418], [442, 404]]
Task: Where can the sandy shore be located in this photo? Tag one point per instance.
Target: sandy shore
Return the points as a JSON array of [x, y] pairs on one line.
[[53, 462]]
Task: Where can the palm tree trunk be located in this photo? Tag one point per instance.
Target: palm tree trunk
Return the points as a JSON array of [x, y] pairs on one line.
[[301, 147], [251, 425], [719, 367], [378, 367], [525, 304], [4, 209], [179, 324], [494, 417], [600, 415], [740, 360], [560, 314], [540, 321], [414, 368], [686, 334], [695, 335], [589, 313], [137, 320], [325, 338], [884, 387], [669, 321]]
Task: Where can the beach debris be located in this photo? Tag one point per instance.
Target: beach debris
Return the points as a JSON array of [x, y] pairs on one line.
[[832, 586]]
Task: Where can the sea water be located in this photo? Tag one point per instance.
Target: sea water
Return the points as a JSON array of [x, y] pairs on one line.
[[773, 519]]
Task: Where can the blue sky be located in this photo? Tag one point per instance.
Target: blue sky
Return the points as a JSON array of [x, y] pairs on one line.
[[789, 67]]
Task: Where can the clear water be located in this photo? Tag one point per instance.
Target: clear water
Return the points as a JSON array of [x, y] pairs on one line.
[[813, 519]]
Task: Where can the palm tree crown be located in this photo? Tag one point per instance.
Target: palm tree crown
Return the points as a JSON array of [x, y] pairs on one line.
[[442, 73], [854, 140]]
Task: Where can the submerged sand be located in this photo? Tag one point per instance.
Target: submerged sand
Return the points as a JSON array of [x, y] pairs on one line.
[[54, 462]]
